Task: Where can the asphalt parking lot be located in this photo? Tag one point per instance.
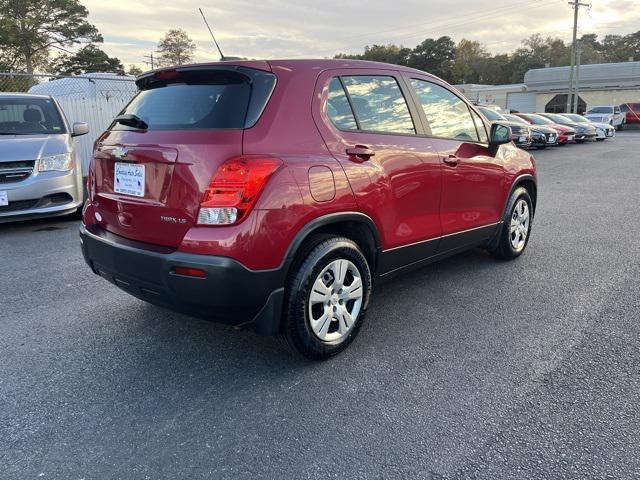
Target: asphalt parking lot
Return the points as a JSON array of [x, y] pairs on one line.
[[470, 368]]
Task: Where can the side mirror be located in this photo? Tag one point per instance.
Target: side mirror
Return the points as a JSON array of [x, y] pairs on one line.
[[79, 128], [500, 134]]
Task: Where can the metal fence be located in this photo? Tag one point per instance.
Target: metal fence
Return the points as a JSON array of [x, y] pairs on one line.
[[93, 98]]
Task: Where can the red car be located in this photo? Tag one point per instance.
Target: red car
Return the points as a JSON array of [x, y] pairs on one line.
[[565, 134], [275, 193], [632, 111]]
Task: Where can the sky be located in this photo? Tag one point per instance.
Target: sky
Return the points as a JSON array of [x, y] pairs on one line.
[[319, 29]]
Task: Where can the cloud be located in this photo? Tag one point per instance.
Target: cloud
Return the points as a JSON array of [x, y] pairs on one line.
[[296, 29]]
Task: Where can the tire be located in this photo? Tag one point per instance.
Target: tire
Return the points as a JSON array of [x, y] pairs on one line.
[[322, 314], [600, 139], [580, 141], [505, 246], [621, 127]]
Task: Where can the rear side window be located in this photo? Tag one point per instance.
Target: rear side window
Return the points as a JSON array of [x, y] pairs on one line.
[[338, 107], [378, 104], [201, 99], [448, 116]]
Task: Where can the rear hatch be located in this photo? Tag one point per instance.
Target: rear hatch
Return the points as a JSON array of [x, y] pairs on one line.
[[151, 174]]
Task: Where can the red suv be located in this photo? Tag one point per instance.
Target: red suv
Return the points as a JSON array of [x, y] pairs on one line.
[[275, 193]]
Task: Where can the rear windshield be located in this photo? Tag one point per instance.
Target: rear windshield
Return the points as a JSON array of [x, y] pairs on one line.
[[200, 100], [26, 116]]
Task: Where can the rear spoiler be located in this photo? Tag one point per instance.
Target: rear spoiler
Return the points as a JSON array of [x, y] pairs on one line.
[[163, 74]]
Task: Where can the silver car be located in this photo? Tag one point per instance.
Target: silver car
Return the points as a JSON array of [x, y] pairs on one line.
[[39, 172]]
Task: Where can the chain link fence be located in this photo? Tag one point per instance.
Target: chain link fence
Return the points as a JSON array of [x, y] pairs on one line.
[[93, 98]]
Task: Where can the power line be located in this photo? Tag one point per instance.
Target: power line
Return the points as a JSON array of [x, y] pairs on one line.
[[424, 27]]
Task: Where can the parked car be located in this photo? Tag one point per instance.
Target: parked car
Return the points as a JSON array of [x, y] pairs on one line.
[[603, 130], [611, 114], [584, 130], [632, 112], [276, 193], [39, 175], [541, 136], [565, 133], [520, 134]]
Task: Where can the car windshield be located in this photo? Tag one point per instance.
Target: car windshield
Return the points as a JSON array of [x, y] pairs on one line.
[[515, 118], [538, 120], [558, 118], [575, 118], [601, 110], [491, 115], [29, 115]]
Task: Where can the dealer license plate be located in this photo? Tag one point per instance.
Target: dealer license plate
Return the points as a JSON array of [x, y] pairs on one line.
[[523, 139], [128, 179], [570, 137]]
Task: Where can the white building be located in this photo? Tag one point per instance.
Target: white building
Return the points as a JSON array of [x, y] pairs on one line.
[[545, 89]]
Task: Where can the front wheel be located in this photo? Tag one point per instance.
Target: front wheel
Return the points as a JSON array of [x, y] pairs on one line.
[[516, 227], [327, 297], [621, 127]]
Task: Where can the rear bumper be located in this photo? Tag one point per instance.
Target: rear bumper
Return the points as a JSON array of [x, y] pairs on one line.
[[230, 293]]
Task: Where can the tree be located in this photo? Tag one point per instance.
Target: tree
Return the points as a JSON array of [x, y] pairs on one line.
[[469, 58], [88, 59], [28, 29], [397, 55], [434, 56], [134, 70], [176, 48]]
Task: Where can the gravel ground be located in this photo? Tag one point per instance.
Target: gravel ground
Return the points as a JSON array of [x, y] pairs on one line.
[[470, 368]]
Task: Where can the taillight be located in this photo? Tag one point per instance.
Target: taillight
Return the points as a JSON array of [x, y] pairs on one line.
[[235, 188]]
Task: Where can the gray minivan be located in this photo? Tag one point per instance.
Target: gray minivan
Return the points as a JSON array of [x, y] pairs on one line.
[[39, 172]]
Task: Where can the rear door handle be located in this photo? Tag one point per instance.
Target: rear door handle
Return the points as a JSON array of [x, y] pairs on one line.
[[452, 160], [361, 152]]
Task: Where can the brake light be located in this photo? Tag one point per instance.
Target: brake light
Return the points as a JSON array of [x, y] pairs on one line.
[[235, 188]]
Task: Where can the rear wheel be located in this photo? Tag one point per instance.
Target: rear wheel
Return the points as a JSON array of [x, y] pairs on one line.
[[516, 228], [621, 127], [327, 297]]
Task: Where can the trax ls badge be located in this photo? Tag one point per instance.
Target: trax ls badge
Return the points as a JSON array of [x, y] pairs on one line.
[[180, 221]]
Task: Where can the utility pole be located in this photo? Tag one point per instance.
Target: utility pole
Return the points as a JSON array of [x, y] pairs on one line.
[[150, 62], [576, 4], [576, 95]]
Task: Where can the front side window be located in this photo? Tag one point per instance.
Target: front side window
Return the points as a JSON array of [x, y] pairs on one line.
[[448, 116], [378, 104], [482, 131], [338, 108], [26, 116]]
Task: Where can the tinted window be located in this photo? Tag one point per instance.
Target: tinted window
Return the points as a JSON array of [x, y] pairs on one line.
[[30, 115], [338, 107], [222, 102], [482, 131], [448, 116], [379, 104]]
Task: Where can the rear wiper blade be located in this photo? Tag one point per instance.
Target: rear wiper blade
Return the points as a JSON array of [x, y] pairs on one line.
[[131, 120]]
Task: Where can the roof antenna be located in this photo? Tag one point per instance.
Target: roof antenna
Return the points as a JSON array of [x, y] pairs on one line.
[[212, 36]]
